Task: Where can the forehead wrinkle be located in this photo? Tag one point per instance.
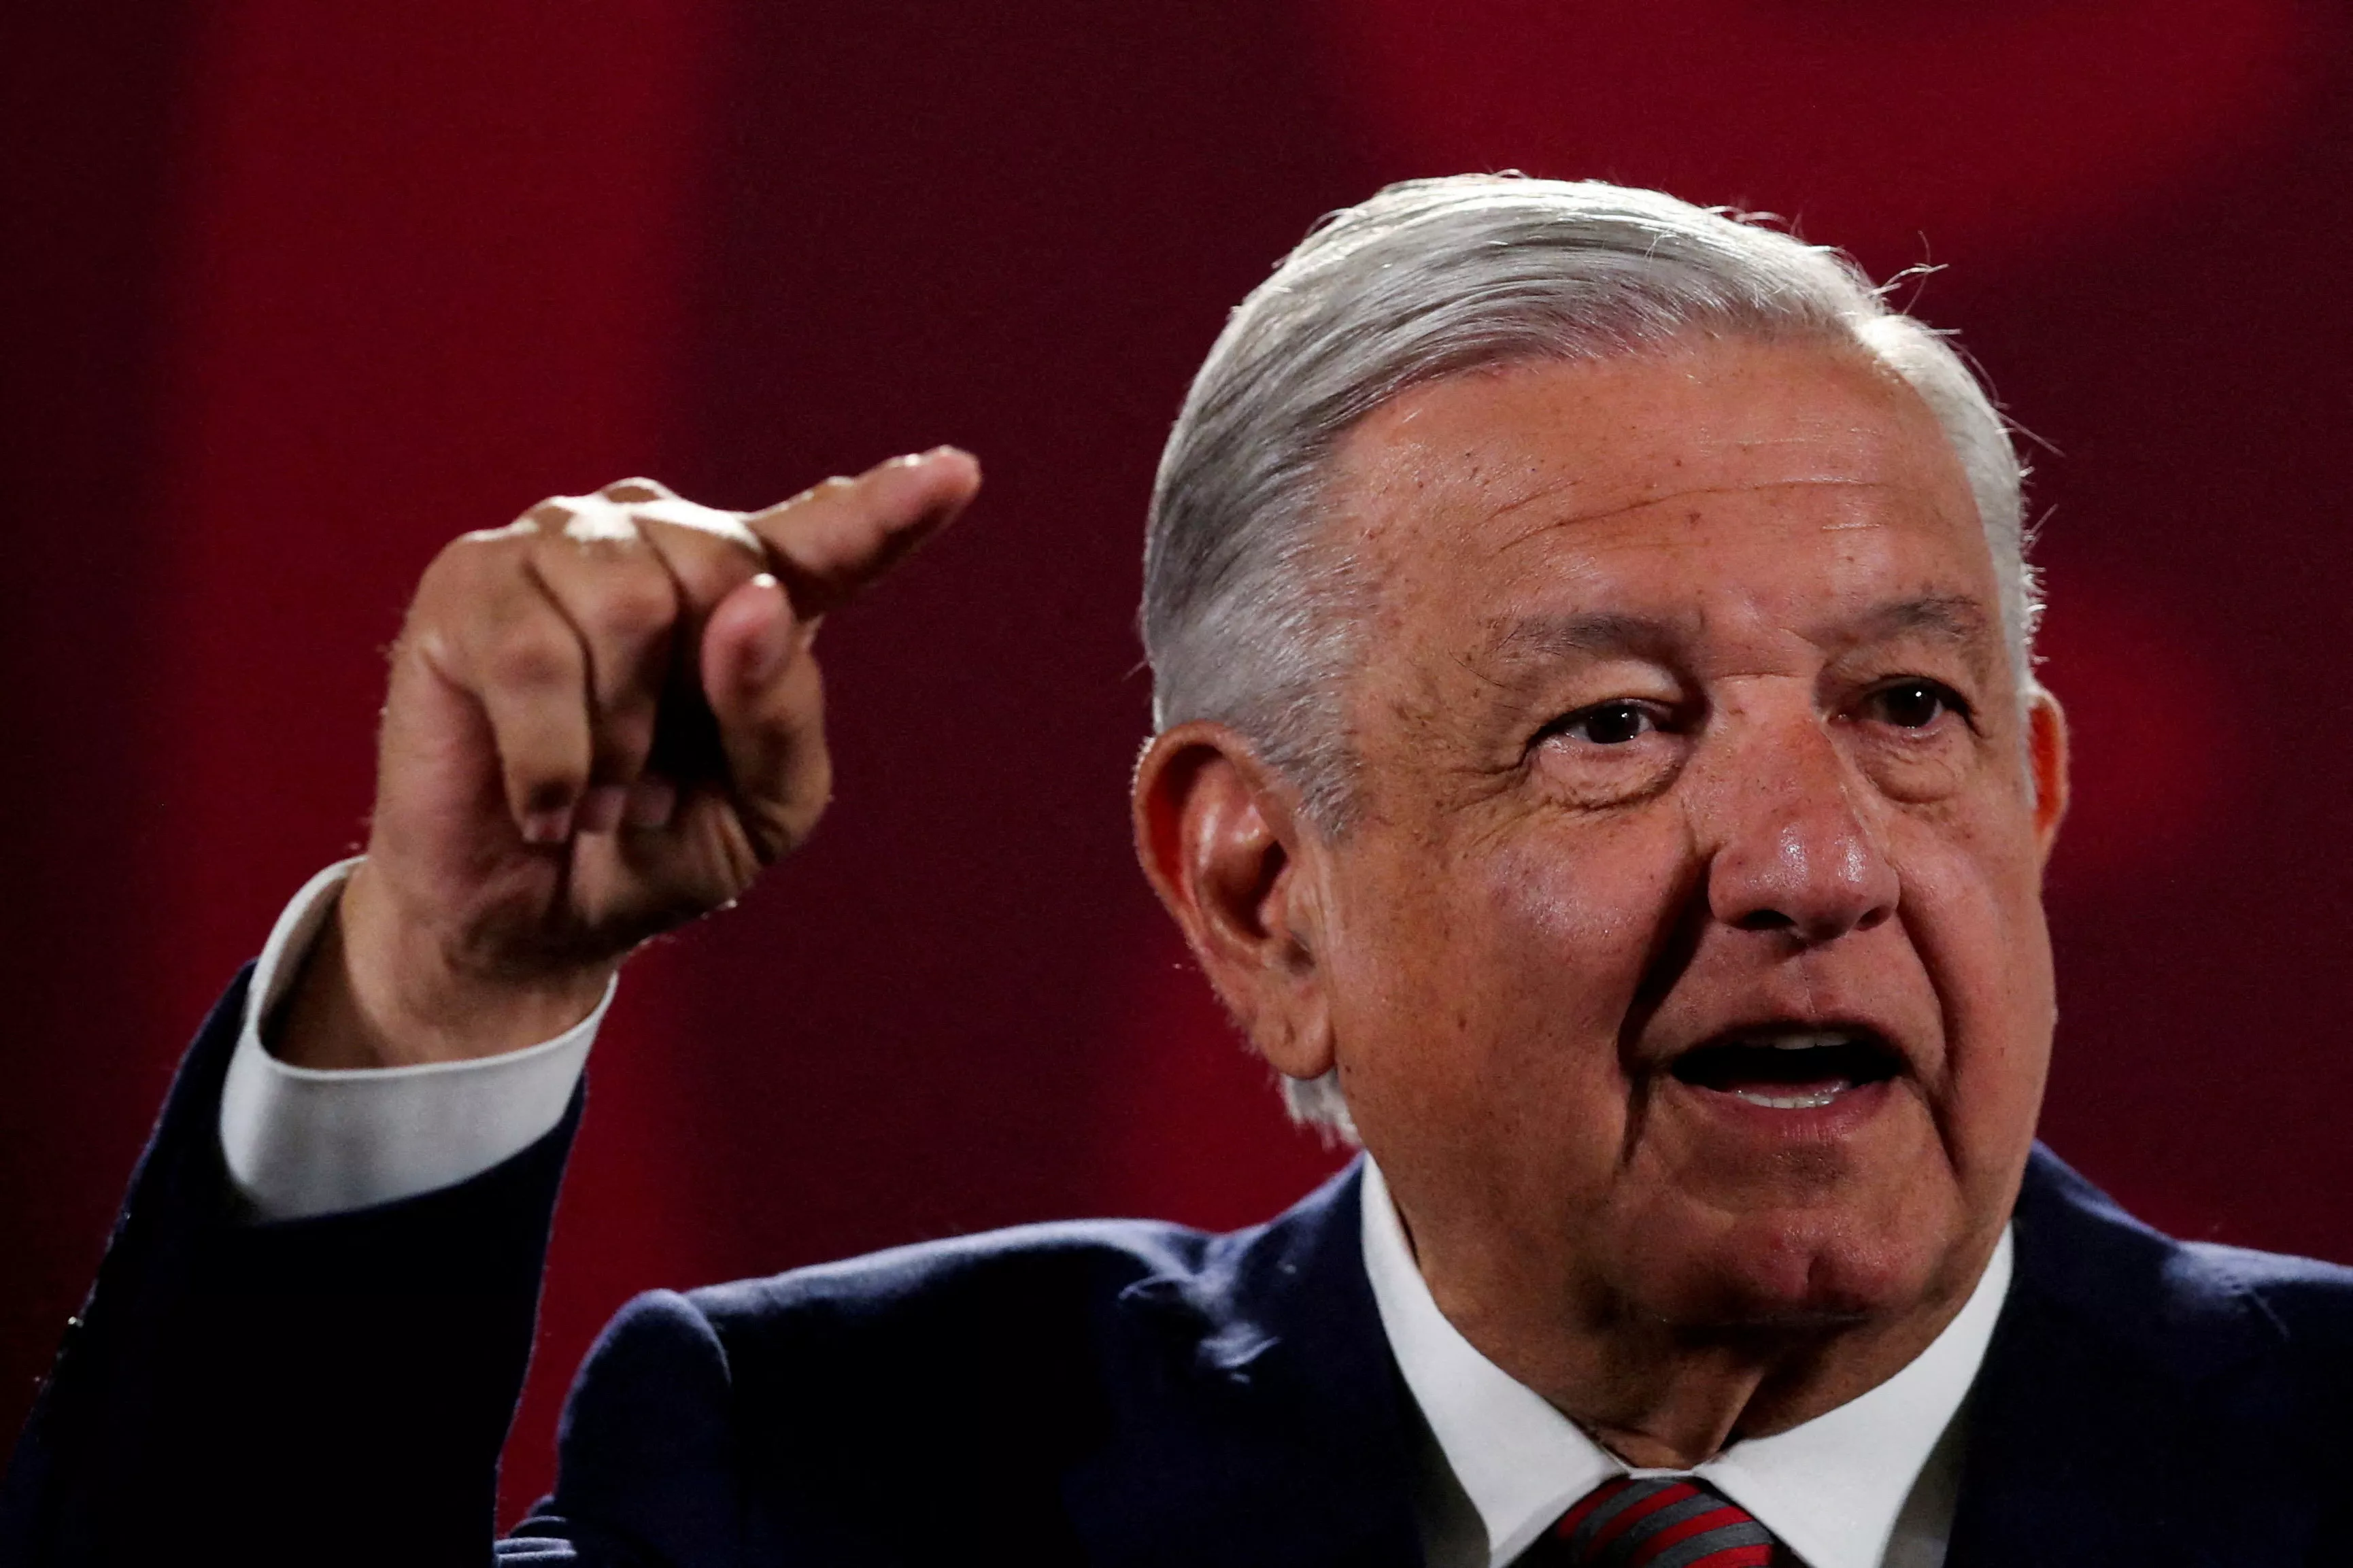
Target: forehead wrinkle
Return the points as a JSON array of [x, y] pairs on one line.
[[1573, 519]]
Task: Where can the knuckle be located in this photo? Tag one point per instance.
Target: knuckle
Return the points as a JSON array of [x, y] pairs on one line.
[[464, 557], [600, 526], [778, 827], [832, 488], [765, 841], [633, 607], [638, 489], [700, 533], [783, 833], [532, 656], [464, 592]]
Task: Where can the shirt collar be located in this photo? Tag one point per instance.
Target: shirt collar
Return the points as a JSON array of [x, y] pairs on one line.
[[1830, 1489]]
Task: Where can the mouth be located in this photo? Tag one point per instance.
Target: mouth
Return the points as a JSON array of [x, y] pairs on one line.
[[1790, 1068]]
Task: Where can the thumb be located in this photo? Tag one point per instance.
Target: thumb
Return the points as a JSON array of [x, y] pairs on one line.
[[761, 680], [748, 638]]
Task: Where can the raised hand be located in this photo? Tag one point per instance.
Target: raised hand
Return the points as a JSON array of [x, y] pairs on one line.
[[603, 720]]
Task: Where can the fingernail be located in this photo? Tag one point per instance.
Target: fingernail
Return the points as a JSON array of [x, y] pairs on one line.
[[651, 803], [600, 808], [551, 825]]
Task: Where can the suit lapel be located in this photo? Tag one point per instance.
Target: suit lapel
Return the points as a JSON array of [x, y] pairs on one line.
[[2130, 1409], [1282, 1440]]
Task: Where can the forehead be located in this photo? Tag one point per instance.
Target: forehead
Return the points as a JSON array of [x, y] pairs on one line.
[[1788, 482]]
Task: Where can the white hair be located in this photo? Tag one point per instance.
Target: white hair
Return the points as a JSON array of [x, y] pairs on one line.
[[1249, 607]]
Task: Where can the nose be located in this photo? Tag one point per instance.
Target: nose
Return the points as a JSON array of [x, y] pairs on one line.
[[1795, 852]]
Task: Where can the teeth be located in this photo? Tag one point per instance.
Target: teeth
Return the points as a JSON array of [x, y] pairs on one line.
[[1792, 1099]]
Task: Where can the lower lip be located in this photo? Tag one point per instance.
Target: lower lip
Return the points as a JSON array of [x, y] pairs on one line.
[[1844, 1110]]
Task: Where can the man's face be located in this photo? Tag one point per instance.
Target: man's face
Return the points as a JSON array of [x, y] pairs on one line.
[[1685, 954]]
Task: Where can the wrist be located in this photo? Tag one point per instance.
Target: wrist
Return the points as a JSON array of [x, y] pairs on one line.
[[381, 988]]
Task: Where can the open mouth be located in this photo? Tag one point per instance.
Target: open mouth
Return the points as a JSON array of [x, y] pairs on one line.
[[1789, 1069]]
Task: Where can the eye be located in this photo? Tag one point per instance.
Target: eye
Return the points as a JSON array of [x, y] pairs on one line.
[[1913, 703], [1611, 723]]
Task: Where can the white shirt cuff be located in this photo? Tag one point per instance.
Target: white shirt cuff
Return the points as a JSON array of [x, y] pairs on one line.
[[300, 1141]]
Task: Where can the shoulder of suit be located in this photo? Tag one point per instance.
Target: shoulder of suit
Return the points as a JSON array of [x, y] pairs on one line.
[[1133, 1263], [2311, 1301], [2195, 1308], [1031, 1343], [1087, 1258]]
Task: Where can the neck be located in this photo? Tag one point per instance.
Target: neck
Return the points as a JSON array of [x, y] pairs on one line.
[[1668, 1400], [1663, 1396]]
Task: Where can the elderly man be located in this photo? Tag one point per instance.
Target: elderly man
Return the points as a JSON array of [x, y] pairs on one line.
[[1597, 762]]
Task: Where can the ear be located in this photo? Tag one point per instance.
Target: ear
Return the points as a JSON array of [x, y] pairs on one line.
[[2046, 751], [1222, 843]]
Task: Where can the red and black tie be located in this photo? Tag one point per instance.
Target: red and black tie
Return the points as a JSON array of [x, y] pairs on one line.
[[1655, 1522]]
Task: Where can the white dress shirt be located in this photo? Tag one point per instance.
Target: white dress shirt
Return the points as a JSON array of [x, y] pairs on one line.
[[1869, 1485]]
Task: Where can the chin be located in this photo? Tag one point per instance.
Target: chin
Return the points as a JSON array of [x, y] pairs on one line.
[[1802, 1270]]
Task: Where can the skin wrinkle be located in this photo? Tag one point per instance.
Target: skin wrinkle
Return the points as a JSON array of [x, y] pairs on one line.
[[1678, 943], [1925, 937], [1575, 519]]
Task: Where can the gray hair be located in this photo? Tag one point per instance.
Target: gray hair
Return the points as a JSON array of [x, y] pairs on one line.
[[1247, 601]]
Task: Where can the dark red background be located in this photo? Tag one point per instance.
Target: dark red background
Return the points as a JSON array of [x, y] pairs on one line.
[[295, 292]]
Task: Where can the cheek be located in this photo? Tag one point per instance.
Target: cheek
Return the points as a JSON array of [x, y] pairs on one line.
[[1500, 980], [1585, 914], [1974, 911]]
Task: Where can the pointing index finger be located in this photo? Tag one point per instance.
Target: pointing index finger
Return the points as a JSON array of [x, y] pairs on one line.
[[828, 543]]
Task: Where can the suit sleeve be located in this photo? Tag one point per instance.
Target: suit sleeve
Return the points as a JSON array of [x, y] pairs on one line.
[[328, 1390]]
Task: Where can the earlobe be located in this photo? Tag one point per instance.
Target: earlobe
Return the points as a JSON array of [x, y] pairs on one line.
[[1222, 845]]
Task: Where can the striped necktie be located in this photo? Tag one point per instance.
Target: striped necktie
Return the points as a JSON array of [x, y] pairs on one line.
[[1657, 1521]]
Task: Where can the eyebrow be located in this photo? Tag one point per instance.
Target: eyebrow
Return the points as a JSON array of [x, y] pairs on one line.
[[1948, 618]]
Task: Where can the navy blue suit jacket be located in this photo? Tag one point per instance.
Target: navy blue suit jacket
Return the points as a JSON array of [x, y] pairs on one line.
[[335, 1391]]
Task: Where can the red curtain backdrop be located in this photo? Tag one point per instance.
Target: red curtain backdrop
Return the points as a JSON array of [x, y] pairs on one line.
[[296, 293]]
